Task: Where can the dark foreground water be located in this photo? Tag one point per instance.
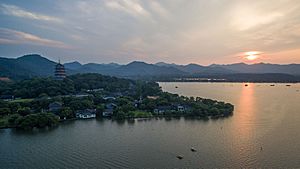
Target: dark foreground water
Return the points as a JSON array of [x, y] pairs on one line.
[[265, 116]]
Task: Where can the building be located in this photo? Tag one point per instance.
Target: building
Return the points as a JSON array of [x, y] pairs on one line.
[[60, 72], [162, 109], [109, 110], [180, 108], [55, 106], [137, 103], [86, 114], [7, 97]]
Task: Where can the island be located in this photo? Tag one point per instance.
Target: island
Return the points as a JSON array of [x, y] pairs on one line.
[[44, 102]]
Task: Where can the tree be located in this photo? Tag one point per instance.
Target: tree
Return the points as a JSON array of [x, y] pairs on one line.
[[38, 120], [214, 111], [14, 107], [24, 111], [4, 111], [100, 108], [120, 115], [66, 112], [13, 119]]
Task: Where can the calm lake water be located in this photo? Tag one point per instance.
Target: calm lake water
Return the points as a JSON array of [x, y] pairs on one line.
[[264, 116]]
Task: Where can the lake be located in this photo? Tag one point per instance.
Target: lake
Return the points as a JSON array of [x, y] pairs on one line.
[[264, 132]]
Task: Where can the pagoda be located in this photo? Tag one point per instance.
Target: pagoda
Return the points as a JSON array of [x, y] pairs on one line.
[[60, 72]]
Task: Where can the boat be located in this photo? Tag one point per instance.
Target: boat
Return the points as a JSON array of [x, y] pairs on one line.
[[176, 87], [288, 85], [272, 85], [246, 85], [180, 157], [193, 149]]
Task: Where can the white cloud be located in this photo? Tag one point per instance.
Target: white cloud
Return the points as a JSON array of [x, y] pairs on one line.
[[9, 36], [245, 18], [159, 9], [132, 7], [19, 12], [254, 15]]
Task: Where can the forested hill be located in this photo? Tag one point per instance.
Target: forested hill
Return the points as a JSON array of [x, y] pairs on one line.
[[27, 66], [34, 65], [40, 87]]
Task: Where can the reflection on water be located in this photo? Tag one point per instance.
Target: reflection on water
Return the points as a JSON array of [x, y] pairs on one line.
[[264, 116], [245, 106], [243, 123]]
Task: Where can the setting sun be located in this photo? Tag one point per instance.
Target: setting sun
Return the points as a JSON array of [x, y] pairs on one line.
[[253, 55]]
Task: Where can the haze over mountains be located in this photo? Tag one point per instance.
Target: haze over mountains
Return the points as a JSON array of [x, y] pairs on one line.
[[35, 65]]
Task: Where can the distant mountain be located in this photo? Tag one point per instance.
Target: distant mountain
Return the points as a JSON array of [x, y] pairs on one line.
[[26, 66], [37, 66], [293, 69], [258, 68], [165, 64], [198, 69], [144, 69], [8, 68], [105, 69], [73, 65]]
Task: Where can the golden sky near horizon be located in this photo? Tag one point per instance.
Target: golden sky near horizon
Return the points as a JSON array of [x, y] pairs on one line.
[[174, 31]]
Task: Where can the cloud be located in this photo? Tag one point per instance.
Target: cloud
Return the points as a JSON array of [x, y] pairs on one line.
[[159, 9], [19, 12], [159, 30], [9, 36], [245, 18], [132, 7]]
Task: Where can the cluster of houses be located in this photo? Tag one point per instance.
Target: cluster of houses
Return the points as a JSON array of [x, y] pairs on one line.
[[110, 107], [108, 111], [160, 110], [86, 113]]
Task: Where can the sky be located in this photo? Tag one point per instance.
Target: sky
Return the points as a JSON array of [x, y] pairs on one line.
[[174, 31]]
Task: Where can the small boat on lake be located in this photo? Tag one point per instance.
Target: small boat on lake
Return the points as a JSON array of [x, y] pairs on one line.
[[246, 85], [193, 149], [180, 157], [288, 85], [176, 87], [272, 85]]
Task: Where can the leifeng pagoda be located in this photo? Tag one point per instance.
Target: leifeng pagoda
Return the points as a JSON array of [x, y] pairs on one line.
[[60, 72]]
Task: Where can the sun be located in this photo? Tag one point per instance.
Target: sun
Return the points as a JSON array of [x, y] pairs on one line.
[[252, 55]]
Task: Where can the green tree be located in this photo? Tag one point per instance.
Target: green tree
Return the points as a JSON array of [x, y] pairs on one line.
[[13, 119], [66, 112], [120, 115], [24, 111], [4, 111]]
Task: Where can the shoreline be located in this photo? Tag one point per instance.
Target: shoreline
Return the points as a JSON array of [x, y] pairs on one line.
[[226, 82], [207, 118]]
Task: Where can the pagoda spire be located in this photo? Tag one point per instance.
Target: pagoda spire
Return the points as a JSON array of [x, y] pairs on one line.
[[60, 72]]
